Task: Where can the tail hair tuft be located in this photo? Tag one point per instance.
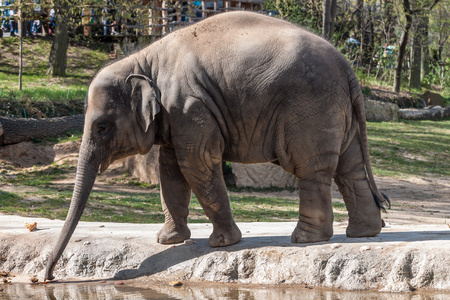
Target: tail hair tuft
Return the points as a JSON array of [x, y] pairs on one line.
[[382, 202]]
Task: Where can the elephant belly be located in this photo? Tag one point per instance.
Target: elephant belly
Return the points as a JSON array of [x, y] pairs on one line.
[[253, 153]]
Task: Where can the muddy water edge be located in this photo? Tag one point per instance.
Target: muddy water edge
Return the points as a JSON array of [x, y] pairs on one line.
[[163, 290]]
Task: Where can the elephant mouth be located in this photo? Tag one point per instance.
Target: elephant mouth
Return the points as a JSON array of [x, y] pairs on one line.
[[104, 165]]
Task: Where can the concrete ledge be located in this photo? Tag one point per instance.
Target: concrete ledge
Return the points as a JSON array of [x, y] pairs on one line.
[[401, 258]]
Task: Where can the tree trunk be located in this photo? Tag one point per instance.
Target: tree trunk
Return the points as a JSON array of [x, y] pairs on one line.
[[416, 55], [332, 17], [402, 47], [419, 51], [326, 13], [425, 59], [360, 29], [388, 21], [329, 14], [20, 61], [58, 52], [16, 130], [21, 35]]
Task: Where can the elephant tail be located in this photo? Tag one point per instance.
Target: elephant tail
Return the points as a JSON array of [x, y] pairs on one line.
[[358, 103]]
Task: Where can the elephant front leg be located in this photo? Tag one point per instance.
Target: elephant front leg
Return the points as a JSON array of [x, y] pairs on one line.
[[175, 197], [206, 180], [364, 215], [316, 214]]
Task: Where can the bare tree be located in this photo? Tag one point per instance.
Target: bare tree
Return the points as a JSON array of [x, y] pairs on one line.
[[329, 14], [58, 52], [409, 13]]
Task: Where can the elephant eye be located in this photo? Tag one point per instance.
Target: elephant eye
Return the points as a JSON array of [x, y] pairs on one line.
[[103, 128]]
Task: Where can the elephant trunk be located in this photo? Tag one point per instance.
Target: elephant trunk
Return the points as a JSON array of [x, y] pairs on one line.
[[86, 173]]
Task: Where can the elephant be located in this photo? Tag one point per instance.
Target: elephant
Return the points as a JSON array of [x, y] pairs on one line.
[[239, 87]]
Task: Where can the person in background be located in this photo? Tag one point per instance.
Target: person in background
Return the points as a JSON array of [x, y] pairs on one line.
[[5, 23], [36, 24], [106, 18], [51, 23], [12, 22]]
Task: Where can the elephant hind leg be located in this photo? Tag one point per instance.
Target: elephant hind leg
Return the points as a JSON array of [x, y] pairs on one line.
[[364, 214], [315, 212]]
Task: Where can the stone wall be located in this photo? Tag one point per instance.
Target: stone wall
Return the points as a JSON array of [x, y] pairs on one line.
[[144, 167], [262, 176], [381, 111]]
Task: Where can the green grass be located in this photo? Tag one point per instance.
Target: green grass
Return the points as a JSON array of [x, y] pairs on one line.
[[57, 93], [408, 148], [82, 64], [53, 203], [68, 136], [44, 196]]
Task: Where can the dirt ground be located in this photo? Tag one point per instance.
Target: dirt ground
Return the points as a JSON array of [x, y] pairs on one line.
[[421, 199]]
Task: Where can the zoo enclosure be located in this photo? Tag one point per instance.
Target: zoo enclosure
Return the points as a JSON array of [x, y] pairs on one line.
[[157, 17], [122, 18]]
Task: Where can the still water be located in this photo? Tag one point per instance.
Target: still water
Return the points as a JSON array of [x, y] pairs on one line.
[[108, 291]]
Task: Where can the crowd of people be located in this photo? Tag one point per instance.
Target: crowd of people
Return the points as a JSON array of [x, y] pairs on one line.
[[33, 16]]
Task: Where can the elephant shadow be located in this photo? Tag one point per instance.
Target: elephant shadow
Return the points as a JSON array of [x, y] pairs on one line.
[[172, 256]]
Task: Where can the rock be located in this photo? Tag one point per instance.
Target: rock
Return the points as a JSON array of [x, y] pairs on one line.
[[262, 176], [447, 112], [175, 283], [144, 167], [364, 248], [381, 111], [433, 99], [411, 257], [335, 246], [34, 280], [118, 283]]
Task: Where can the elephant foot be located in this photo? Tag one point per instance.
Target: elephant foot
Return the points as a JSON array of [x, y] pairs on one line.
[[172, 235], [308, 235], [364, 229], [225, 237]]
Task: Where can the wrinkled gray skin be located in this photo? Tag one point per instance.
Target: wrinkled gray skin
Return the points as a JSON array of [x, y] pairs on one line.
[[239, 87]]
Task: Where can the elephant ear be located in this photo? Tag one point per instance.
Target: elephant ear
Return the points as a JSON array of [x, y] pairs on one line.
[[145, 99]]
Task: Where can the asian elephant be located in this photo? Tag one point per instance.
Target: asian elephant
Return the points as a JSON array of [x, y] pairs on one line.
[[239, 87]]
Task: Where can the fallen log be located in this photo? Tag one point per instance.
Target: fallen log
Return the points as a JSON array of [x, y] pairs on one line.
[[429, 113], [16, 130]]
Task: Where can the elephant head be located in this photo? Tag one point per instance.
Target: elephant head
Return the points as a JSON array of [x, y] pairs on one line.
[[119, 122]]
